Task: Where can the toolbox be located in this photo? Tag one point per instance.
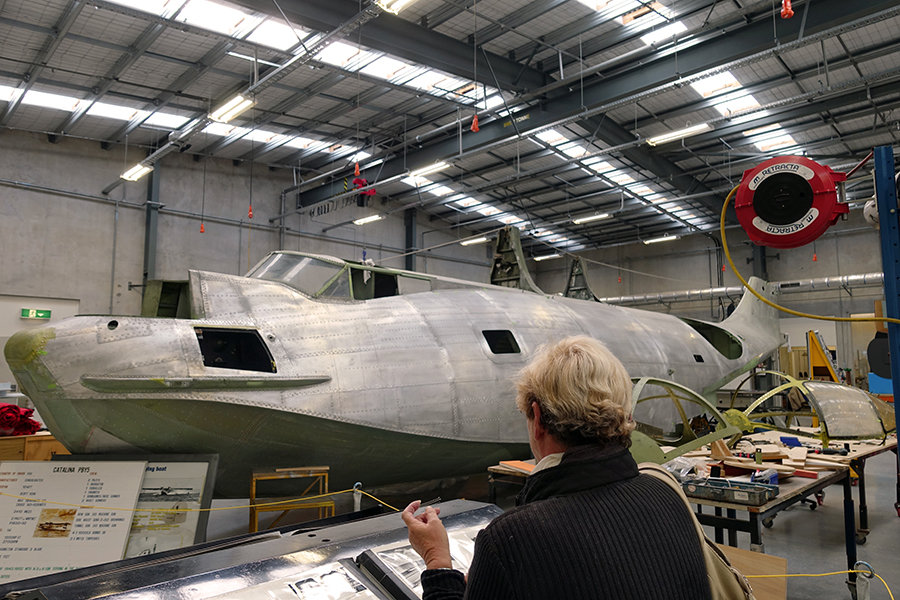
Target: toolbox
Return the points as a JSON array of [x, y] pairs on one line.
[[725, 490]]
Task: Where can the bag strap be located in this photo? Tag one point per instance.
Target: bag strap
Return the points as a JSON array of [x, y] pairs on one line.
[[657, 471]]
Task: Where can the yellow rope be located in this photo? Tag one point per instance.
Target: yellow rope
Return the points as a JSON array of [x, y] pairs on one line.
[[826, 575], [183, 510], [769, 302]]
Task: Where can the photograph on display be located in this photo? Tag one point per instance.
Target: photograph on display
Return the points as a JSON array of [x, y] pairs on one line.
[[174, 493], [55, 522]]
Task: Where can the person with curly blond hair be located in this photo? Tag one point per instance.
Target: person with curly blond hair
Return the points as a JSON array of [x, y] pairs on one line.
[[587, 524]]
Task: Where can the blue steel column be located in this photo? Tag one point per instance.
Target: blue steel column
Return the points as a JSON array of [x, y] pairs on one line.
[[886, 194]]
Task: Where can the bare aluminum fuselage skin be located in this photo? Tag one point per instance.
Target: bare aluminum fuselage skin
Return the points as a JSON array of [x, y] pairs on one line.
[[385, 390]]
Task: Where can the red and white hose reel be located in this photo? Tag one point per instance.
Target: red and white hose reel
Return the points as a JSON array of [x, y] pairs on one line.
[[789, 201]]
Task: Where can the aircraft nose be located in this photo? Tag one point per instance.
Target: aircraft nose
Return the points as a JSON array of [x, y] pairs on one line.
[[23, 351]]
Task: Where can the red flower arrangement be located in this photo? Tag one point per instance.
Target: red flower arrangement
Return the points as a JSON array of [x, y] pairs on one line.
[[15, 420]]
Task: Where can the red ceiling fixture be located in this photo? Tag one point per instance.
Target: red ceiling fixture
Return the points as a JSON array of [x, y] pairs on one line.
[[789, 201]]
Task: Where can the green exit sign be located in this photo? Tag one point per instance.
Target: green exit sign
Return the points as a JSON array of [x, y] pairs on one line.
[[34, 313]]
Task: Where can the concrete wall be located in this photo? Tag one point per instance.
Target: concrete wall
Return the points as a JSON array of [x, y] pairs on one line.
[[60, 238]]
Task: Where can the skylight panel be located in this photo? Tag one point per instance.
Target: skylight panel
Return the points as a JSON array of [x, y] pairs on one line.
[[541, 233], [454, 87], [712, 86], [551, 136], [467, 202], [640, 190], [341, 54], [760, 130], [260, 135], [418, 181], [664, 33], [386, 68], [489, 211], [654, 198], [166, 120], [619, 177], [440, 190], [598, 166], [162, 8], [573, 149], [774, 143], [427, 80], [492, 101], [300, 142], [275, 34], [222, 129], [737, 105], [361, 155], [217, 17], [557, 239], [510, 219], [45, 100], [111, 111], [8, 93]]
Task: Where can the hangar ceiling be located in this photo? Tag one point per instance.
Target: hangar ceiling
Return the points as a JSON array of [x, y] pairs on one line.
[[569, 94]]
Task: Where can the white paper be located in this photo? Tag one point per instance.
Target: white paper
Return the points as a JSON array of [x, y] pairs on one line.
[[88, 527], [169, 486]]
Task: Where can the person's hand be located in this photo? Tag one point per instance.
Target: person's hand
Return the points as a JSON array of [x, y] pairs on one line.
[[428, 536]]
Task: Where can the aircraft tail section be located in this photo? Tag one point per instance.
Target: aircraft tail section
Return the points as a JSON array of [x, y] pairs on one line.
[[748, 336], [752, 309]]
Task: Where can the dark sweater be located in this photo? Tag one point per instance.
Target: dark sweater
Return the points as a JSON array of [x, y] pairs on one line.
[[590, 528]]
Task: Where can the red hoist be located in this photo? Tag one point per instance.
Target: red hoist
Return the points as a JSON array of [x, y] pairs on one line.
[[789, 201]]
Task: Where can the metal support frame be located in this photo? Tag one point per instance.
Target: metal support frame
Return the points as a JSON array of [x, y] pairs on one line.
[[886, 197], [151, 225], [409, 220]]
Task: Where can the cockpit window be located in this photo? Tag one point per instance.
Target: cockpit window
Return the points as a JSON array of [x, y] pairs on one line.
[[234, 349], [338, 288], [307, 274]]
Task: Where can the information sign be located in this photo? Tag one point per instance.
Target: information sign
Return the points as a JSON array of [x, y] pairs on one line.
[[60, 516]]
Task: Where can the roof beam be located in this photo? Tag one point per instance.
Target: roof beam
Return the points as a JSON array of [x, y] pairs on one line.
[[709, 55], [402, 39], [63, 24]]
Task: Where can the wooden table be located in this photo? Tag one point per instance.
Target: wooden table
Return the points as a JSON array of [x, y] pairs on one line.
[[790, 492]]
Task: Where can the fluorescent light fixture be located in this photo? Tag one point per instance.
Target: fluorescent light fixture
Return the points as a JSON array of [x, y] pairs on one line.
[[438, 166], [393, 6], [368, 219], [480, 240], [665, 238], [679, 134], [547, 257], [231, 109], [136, 172], [590, 218], [541, 232], [664, 33], [710, 86]]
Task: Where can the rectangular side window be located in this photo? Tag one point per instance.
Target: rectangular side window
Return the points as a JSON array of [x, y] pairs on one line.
[[501, 341], [234, 349]]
